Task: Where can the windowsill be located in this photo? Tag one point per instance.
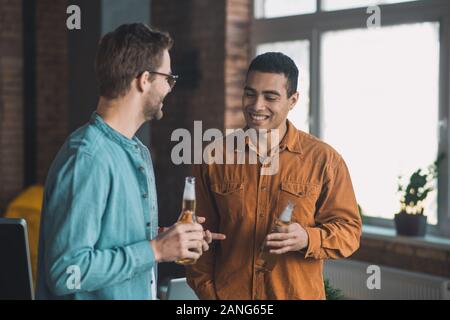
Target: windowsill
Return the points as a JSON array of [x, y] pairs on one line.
[[383, 233]]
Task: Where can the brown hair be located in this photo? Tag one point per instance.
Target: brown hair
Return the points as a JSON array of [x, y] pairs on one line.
[[125, 53]]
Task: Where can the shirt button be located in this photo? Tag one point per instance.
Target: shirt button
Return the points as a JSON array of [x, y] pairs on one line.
[[148, 224], [261, 214], [141, 169], [263, 188], [145, 195]]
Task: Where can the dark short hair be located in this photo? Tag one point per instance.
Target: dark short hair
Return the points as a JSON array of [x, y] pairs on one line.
[[277, 62], [125, 53]]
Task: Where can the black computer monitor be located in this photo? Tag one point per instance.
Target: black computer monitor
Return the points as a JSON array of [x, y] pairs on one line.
[[15, 268]]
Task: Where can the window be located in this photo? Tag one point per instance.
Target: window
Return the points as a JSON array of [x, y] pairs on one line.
[[380, 108], [328, 5], [379, 96], [299, 52], [280, 8]]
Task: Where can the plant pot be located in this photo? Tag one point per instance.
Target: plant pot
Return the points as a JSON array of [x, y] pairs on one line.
[[412, 225]]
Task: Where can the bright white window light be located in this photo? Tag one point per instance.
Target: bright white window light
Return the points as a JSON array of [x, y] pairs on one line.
[[329, 5], [281, 8], [379, 102]]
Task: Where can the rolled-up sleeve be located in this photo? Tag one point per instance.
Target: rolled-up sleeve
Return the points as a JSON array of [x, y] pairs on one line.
[[338, 223]]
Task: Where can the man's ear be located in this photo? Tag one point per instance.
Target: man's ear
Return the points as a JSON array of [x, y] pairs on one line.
[[293, 100], [143, 81]]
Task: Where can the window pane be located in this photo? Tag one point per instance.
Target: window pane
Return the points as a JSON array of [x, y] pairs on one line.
[[328, 5], [298, 51], [380, 108], [281, 8]]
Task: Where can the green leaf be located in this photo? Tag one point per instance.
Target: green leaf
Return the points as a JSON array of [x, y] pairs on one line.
[[332, 293]]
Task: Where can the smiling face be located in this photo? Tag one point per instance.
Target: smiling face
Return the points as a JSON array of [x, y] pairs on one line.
[[265, 101], [159, 89]]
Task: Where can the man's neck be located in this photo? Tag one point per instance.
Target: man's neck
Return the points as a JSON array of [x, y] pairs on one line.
[[269, 140], [120, 115]]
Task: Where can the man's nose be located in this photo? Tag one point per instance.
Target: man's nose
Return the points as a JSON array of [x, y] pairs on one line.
[[259, 104]]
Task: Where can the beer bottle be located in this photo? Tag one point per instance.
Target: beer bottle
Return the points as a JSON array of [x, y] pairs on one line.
[[188, 210], [266, 260]]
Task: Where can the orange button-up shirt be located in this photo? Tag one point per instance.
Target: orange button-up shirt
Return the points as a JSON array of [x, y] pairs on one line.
[[241, 202]]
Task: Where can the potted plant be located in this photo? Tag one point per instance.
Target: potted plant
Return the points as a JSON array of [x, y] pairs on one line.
[[411, 221]]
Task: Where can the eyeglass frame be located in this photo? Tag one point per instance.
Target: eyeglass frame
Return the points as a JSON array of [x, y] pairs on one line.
[[171, 78]]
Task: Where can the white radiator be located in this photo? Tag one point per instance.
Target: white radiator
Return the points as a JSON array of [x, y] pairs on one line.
[[351, 278]]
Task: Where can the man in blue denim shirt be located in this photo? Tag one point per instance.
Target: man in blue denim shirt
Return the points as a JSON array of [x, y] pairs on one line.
[[98, 237]]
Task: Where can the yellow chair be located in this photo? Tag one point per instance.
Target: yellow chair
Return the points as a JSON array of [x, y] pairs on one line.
[[27, 205]]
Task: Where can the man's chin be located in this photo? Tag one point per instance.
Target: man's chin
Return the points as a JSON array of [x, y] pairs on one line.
[[149, 116], [159, 115]]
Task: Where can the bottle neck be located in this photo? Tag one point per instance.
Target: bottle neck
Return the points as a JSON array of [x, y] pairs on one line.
[[281, 223], [188, 205]]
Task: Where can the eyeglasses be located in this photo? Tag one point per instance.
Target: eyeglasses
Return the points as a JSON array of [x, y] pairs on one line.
[[171, 78]]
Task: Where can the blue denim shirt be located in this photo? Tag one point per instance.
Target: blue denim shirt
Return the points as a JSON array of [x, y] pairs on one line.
[[99, 213]]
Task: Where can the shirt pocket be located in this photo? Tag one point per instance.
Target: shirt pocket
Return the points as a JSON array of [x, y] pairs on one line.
[[303, 196], [229, 200]]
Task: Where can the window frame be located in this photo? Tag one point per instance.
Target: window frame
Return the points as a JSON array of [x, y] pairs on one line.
[[311, 27]]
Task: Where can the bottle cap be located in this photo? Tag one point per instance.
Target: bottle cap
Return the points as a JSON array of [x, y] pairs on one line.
[[189, 189]]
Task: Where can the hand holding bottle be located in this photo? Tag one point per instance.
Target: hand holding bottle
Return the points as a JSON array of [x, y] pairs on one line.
[[179, 242], [209, 236], [287, 238], [185, 241], [267, 260]]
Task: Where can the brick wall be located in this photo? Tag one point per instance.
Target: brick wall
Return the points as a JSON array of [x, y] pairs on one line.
[[198, 29], [51, 87], [52, 82], [211, 55], [11, 102], [412, 256], [237, 59]]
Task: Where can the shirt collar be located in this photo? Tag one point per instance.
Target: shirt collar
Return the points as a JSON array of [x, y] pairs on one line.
[[114, 135], [291, 139]]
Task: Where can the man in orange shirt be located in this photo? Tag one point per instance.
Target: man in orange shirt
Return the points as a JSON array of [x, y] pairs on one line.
[[242, 201]]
